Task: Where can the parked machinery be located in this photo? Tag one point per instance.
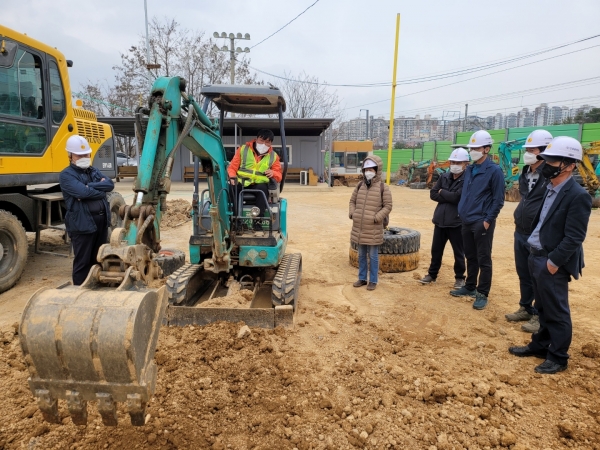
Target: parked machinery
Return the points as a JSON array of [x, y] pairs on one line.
[[36, 119]]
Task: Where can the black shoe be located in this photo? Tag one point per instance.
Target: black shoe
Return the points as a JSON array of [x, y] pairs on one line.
[[360, 283], [371, 286], [550, 367], [525, 351]]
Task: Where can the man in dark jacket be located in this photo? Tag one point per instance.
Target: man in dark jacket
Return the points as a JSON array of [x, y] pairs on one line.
[[532, 187], [481, 201], [88, 212], [447, 192], [556, 254]]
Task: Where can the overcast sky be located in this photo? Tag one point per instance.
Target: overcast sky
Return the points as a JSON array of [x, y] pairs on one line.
[[352, 42]]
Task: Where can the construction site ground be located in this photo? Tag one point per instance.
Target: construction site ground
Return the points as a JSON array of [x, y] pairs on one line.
[[405, 366]]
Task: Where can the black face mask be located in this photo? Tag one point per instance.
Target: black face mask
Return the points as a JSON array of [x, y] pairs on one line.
[[549, 172]]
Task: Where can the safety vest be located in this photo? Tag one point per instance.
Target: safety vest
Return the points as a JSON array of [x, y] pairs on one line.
[[251, 171]]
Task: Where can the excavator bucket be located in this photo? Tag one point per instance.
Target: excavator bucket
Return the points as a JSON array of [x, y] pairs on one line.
[[84, 344]]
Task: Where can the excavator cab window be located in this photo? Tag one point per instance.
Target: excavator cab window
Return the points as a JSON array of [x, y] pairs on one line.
[[57, 94], [22, 98]]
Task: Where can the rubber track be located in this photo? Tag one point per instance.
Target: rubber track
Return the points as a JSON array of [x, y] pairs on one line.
[[177, 283], [287, 280], [403, 241], [418, 185], [170, 263]]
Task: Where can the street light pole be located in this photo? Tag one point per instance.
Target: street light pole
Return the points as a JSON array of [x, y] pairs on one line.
[[232, 51]]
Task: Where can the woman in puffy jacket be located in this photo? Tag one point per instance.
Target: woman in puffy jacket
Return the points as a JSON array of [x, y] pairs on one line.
[[370, 206]]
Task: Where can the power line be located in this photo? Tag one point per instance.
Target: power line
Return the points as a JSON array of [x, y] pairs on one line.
[[438, 76], [271, 35], [472, 78], [508, 95]]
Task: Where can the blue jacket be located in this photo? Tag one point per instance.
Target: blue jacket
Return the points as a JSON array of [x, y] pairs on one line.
[[565, 227], [80, 186], [483, 194]]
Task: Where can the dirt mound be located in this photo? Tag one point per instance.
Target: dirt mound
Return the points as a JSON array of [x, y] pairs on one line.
[[178, 212], [261, 392], [240, 299]]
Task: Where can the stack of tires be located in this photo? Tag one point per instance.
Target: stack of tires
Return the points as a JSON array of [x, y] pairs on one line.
[[398, 253]]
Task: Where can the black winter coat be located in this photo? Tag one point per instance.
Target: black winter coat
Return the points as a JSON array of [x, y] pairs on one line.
[[446, 212], [79, 186], [530, 202]]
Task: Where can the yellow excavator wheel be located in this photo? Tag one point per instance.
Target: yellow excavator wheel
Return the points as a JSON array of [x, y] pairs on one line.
[[389, 263]]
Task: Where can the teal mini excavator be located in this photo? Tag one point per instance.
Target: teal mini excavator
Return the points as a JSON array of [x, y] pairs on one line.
[[96, 342]]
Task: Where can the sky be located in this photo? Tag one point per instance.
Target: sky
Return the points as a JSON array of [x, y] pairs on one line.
[[352, 42]]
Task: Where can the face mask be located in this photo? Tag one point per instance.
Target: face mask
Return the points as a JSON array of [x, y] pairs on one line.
[[456, 168], [549, 172], [530, 158], [475, 155], [369, 175], [83, 163], [262, 148]]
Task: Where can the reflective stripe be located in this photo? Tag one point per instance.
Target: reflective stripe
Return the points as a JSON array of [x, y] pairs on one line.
[[251, 171]]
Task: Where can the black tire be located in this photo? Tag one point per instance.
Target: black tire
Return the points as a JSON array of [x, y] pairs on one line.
[[115, 201], [419, 185], [169, 260], [397, 241], [13, 256]]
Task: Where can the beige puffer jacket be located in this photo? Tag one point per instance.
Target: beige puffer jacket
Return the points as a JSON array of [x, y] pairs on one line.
[[367, 210]]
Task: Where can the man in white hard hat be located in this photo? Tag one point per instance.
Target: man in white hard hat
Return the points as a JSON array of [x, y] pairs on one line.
[[88, 212], [447, 191], [532, 187], [481, 201], [556, 254]]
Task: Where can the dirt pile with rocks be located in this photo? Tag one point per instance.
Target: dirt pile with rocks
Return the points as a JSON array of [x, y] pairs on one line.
[[178, 212], [380, 390]]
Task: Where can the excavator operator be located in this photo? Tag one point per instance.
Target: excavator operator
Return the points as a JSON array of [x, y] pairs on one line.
[[254, 165]]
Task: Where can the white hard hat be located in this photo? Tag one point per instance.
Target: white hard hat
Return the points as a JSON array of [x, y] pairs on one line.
[[563, 147], [538, 138], [480, 138], [78, 145], [369, 163], [459, 154]]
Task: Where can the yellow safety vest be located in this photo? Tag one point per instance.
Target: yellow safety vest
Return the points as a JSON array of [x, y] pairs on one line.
[[251, 171]]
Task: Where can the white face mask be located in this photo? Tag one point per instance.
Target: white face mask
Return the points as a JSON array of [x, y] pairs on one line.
[[456, 168], [369, 174], [83, 163], [475, 155], [529, 158], [262, 148]]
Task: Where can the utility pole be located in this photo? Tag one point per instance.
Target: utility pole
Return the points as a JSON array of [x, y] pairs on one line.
[[466, 113], [367, 135], [232, 51]]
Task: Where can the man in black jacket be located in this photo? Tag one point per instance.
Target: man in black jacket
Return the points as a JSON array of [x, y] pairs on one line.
[[556, 254], [532, 187], [84, 189], [448, 226]]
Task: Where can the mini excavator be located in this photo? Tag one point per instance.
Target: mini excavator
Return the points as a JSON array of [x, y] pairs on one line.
[[96, 342]]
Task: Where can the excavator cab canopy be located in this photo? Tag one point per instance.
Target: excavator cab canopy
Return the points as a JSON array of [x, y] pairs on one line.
[[245, 99]]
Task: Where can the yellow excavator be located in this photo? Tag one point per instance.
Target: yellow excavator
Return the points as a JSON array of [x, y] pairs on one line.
[[589, 175], [36, 119]]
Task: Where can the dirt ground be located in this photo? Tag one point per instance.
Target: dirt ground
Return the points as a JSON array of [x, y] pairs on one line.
[[405, 366]]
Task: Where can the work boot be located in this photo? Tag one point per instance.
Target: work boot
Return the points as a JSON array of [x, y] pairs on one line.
[[463, 292], [427, 279], [458, 283], [550, 367], [520, 315], [371, 286], [533, 326], [360, 283], [480, 302]]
